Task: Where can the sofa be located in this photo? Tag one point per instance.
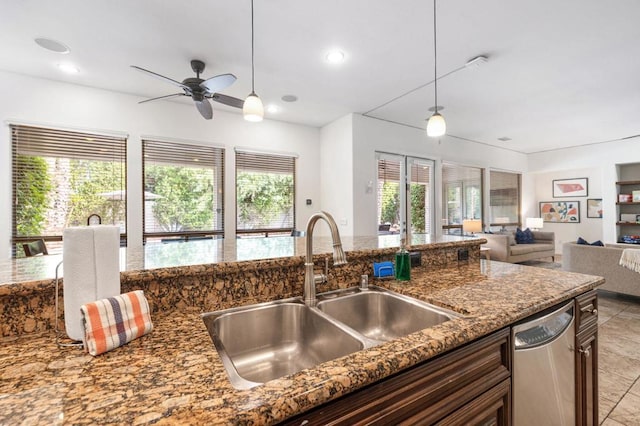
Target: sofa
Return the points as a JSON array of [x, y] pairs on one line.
[[505, 249], [602, 261]]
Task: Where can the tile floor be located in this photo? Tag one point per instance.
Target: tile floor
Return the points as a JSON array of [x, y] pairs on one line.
[[619, 361]]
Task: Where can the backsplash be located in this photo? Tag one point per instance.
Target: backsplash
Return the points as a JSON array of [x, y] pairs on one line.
[[28, 307]]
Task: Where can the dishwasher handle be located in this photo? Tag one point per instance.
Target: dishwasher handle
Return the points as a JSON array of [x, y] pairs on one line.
[[542, 330]]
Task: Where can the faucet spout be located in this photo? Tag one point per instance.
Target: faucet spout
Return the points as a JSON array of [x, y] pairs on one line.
[[339, 258]]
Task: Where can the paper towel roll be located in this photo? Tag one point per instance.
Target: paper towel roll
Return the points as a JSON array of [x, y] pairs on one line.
[[90, 256]]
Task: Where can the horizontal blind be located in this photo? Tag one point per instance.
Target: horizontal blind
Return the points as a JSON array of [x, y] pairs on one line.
[[183, 188], [265, 191], [61, 177], [389, 170]]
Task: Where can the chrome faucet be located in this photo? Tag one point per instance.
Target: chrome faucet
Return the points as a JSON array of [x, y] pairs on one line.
[[339, 258]]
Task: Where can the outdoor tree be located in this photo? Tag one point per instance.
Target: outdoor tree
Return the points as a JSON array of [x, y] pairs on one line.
[[263, 198], [32, 192], [185, 197], [418, 197], [390, 209]]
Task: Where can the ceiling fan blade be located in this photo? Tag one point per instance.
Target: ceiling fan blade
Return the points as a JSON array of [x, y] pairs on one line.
[[162, 77], [163, 97], [205, 108], [228, 100], [217, 83]]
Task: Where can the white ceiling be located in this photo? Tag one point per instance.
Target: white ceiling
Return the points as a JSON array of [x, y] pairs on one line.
[[560, 73]]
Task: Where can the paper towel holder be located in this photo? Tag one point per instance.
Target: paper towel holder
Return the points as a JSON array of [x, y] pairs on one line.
[[57, 330]]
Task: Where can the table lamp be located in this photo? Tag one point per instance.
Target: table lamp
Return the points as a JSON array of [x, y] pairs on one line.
[[534, 223], [471, 226]]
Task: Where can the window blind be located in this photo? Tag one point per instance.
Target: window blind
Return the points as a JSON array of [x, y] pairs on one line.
[[61, 177], [183, 189], [265, 192]]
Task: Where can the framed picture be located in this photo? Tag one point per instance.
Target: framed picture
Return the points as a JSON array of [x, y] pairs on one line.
[[578, 187], [560, 211], [594, 208]]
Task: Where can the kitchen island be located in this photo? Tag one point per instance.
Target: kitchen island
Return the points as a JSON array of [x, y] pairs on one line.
[[175, 376]]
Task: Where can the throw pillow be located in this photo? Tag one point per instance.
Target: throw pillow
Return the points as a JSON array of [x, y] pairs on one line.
[[597, 243], [582, 241], [524, 237]]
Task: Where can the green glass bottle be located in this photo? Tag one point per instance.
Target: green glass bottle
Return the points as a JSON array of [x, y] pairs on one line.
[[403, 263]]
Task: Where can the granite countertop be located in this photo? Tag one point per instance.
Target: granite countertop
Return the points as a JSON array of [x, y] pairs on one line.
[[176, 254], [174, 375]]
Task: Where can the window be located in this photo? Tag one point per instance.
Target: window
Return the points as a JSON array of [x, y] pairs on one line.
[[504, 198], [62, 177], [265, 194], [462, 192], [183, 191], [393, 216]]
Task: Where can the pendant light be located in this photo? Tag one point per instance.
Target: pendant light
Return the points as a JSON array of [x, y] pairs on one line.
[[436, 125], [252, 108]]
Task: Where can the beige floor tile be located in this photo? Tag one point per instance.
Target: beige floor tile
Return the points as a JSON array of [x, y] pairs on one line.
[[604, 407], [608, 311], [627, 411], [611, 422], [626, 326], [617, 343], [613, 386], [612, 303], [635, 389], [619, 364]]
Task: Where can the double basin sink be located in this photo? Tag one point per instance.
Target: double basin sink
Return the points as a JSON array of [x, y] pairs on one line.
[[266, 341]]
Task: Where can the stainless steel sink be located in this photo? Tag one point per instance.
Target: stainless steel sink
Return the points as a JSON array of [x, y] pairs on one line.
[[263, 342], [379, 314]]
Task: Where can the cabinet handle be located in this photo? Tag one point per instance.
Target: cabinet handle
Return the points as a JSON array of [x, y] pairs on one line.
[[590, 309]]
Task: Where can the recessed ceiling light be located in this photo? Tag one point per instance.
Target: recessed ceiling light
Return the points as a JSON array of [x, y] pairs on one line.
[[335, 57], [289, 98], [68, 68], [273, 109], [52, 45]]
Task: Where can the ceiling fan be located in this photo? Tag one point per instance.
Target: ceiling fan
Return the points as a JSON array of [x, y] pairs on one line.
[[199, 90]]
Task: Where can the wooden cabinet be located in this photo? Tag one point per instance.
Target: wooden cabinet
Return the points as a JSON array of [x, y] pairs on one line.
[[471, 383], [586, 356]]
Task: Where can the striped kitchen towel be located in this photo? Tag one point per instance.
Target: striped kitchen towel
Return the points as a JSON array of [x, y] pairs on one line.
[[112, 322]]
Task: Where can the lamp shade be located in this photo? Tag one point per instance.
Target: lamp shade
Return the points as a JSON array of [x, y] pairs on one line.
[[436, 125], [252, 108], [534, 222], [472, 225]]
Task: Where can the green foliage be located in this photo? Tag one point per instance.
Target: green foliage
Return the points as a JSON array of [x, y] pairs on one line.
[[89, 179], [390, 211], [418, 209], [187, 197], [31, 194], [263, 198]]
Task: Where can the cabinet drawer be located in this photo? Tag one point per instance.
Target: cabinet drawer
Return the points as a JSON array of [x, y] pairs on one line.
[[586, 310], [424, 393]]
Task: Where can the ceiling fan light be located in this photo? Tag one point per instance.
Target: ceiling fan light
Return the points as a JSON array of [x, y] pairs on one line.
[[253, 110], [436, 125]]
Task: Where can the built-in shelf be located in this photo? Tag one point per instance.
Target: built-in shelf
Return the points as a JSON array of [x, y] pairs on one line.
[[625, 203], [628, 182], [628, 223]]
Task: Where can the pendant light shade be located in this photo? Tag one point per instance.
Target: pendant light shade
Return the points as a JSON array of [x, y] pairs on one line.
[[436, 125], [252, 108]]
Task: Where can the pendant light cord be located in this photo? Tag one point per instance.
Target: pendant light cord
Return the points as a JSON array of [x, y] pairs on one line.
[[252, 65], [435, 57]]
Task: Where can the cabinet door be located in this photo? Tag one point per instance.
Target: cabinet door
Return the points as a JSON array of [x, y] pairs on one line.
[[489, 409], [587, 376]]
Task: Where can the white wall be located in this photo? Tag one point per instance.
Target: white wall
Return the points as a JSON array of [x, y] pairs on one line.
[[371, 135], [30, 100], [336, 172], [601, 157], [589, 228]]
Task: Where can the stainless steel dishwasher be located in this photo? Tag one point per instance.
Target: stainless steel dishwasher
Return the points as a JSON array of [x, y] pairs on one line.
[[544, 369]]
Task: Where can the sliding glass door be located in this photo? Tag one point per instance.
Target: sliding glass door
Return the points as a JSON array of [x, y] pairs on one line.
[[405, 194]]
